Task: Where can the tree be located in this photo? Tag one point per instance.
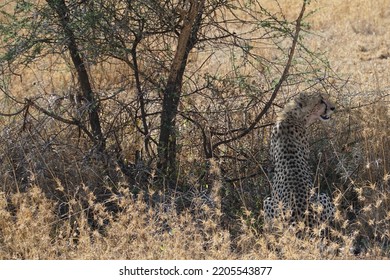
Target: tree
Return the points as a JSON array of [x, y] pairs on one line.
[[187, 39], [208, 105], [30, 32], [62, 11]]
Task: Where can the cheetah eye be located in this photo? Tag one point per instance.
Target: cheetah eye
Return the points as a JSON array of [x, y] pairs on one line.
[[332, 108], [324, 102]]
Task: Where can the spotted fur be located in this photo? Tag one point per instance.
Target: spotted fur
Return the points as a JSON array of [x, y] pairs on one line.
[[293, 195]]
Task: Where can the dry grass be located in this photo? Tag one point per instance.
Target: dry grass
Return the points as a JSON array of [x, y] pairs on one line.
[[58, 203]]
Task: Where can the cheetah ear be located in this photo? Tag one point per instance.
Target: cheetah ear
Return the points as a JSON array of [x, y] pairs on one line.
[[299, 103], [298, 100]]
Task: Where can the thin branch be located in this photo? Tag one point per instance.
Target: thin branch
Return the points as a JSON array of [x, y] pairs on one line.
[[277, 87], [75, 122], [15, 113], [140, 93]]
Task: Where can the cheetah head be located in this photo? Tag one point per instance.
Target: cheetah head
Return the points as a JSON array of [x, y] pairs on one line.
[[314, 107], [307, 108]]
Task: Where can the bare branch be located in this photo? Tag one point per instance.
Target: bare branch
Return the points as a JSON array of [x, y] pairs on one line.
[[277, 86], [75, 122]]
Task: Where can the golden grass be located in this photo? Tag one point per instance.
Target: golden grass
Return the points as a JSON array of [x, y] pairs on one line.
[[50, 209]]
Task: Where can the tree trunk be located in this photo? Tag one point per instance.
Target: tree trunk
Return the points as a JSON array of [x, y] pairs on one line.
[[62, 11], [167, 146]]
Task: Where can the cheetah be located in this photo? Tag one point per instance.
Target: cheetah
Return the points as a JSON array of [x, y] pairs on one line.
[[293, 195]]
